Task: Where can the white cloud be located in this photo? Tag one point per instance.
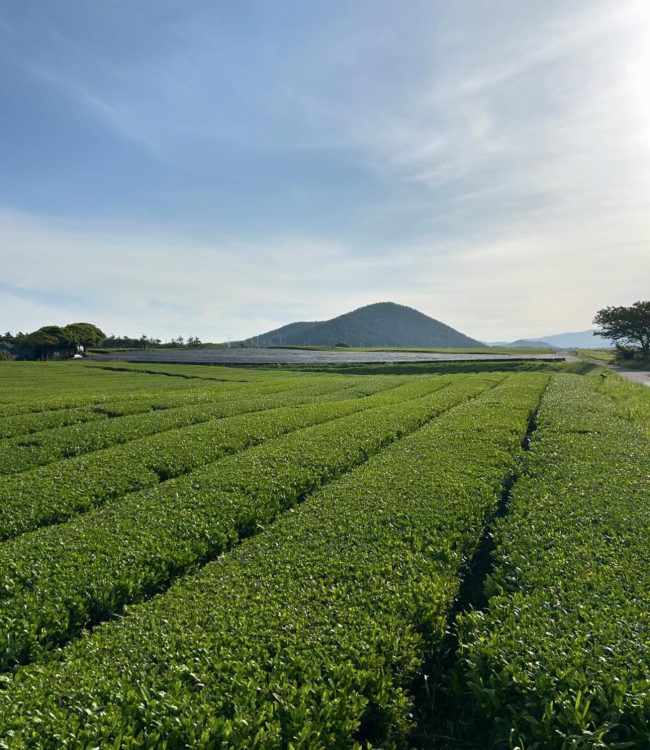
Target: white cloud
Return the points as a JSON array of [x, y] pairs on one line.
[[138, 280], [515, 136], [135, 279], [543, 109]]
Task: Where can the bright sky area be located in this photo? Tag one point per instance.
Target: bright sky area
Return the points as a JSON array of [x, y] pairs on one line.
[[221, 168]]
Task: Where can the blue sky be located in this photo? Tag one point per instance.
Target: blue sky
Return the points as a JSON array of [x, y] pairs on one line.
[[221, 168]]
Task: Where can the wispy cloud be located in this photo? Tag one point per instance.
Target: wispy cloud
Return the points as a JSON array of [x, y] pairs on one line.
[[487, 163], [45, 295], [126, 278]]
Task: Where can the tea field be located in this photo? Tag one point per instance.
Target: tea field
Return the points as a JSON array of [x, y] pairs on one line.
[[220, 557]]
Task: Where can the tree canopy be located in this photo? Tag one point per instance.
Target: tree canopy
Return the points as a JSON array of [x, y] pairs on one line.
[[626, 325], [49, 339], [83, 334]]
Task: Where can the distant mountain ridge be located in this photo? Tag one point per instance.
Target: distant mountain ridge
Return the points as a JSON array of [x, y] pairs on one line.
[[578, 340], [575, 340], [379, 324]]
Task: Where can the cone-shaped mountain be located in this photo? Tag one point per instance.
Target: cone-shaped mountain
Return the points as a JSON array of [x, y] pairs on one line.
[[381, 324]]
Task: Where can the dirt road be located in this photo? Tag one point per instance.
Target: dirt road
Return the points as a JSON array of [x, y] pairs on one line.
[[636, 376]]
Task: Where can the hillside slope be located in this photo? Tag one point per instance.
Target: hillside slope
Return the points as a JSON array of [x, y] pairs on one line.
[[284, 335], [380, 324]]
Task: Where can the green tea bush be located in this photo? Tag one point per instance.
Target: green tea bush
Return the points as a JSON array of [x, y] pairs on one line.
[[308, 635], [561, 657]]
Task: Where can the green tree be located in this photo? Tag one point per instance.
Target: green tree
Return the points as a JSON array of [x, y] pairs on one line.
[[83, 334], [626, 325], [45, 341]]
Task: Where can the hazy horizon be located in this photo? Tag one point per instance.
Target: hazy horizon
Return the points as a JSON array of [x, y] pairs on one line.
[[224, 169]]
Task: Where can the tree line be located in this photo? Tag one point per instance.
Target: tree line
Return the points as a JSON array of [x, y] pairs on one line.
[[51, 341], [146, 342]]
